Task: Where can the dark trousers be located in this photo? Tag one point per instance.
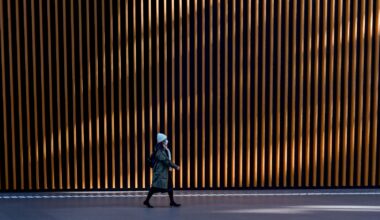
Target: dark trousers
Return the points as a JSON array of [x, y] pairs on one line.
[[154, 190]]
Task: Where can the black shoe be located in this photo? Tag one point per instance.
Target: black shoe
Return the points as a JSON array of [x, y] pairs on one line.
[[146, 203], [173, 204]]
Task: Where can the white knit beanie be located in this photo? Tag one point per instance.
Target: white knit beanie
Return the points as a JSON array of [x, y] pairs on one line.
[[161, 137]]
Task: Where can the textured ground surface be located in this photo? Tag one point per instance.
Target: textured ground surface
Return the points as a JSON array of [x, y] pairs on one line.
[[196, 205]]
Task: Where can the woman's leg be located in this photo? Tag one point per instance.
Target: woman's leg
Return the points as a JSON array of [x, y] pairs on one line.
[[170, 191], [150, 194], [170, 188]]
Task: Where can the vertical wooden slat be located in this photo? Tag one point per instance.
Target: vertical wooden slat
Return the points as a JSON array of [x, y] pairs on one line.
[[271, 57], [376, 94], [249, 92], [97, 97], [316, 88], [165, 47], [263, 97], [73, 83], [293, 104], [323, 95], [35, 96], [28, 128], [308, 94], [353, 91], [158, 65], [172, 99], [188, 111], [219, 97], [112, 97], [142, 94], [211, 102], [368, 93], [4, 95], [10, 54], [331, 93], [180, 95], [203, 98], [90, 92], [316, 99], [301, 82], [278, 85], [121, 183], [233, 94], [286, 96], [359, 140], [240, 138], [338, 94], [52, 155], [196, 95], [151, 136], [21, 138], [42, 66], [256, 96], [81, 94], [104, 99], [345, 92], [1, 33], [225, 94], [134, 93], [66, 94], [127, 94]]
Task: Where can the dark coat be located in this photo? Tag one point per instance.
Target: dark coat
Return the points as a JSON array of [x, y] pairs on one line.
[[161, 169]]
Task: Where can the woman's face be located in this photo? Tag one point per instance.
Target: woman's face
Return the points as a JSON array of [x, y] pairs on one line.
[[166, 142]]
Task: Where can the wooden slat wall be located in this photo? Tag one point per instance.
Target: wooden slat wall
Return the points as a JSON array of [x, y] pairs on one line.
[[261, 94]]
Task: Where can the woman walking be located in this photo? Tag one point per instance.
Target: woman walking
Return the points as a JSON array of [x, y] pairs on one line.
[[162, 171]]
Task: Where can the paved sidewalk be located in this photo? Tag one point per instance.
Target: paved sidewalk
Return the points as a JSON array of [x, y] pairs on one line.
[[196, 205]]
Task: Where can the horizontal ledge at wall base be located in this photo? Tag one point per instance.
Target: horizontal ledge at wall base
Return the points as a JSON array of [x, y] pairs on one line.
[[192, 193]]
